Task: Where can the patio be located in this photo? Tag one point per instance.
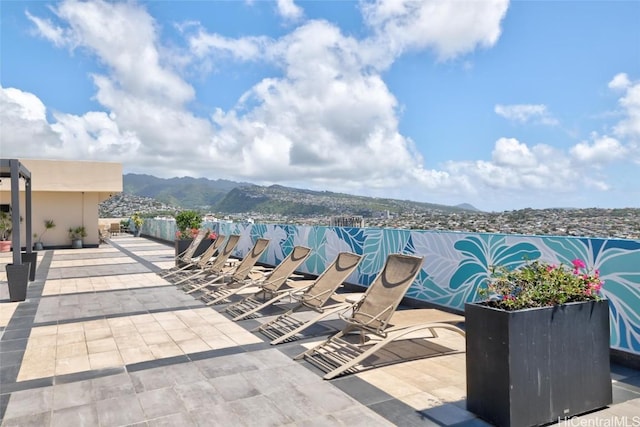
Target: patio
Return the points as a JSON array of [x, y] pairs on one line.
[[103, 340]]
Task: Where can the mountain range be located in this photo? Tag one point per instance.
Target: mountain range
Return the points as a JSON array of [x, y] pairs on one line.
[[226, 196]]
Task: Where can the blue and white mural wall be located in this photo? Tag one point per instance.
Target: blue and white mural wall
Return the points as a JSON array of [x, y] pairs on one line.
[[456, 264]]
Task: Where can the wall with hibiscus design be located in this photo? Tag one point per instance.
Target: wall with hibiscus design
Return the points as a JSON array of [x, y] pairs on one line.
[[455, 264]]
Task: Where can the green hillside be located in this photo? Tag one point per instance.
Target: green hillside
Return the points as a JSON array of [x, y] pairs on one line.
[[233, 197]]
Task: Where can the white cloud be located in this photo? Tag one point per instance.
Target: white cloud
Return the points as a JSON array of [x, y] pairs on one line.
[[289, 10], [21, 104], [327, 120], [171, 136], [524, 113], [48, 30], [124, 37], [516, 169], [450, 28], [619, 81], [244, 49], [24, 130], [602, 150], [94, 135], [629, 126], [510, 152], [320, 119]]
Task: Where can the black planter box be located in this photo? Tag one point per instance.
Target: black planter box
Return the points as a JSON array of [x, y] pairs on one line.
[[18, 278], [534, 366], [32, 258]]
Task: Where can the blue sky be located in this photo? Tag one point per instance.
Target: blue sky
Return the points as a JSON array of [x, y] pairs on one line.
[[504, 105]]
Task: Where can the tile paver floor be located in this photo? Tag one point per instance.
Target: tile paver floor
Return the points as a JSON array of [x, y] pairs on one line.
[[102, 340], [95, 284]]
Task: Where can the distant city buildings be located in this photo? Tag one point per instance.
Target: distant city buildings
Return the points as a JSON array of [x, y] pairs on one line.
[[347, 221], [593, 222]]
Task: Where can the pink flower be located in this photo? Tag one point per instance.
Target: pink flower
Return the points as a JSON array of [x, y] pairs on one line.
[[596, 286], [578, 263], [213, 236]]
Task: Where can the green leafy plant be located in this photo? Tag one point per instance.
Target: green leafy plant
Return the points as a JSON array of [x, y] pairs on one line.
[[188, 223], [77, 233], [48, 225], [539, 284], [5, 226], [137, 220]]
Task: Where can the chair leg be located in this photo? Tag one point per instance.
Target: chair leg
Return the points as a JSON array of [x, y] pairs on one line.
[[392, 335], [258, 308], [224, 295], [337, 336], [345, 361], [176, 271], [313, 321], [193, 276], [204, 285]]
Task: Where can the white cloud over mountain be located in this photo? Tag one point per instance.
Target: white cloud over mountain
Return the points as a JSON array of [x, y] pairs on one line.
[[328, 120]]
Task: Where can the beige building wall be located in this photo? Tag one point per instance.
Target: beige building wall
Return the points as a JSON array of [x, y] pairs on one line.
[[68, 192]]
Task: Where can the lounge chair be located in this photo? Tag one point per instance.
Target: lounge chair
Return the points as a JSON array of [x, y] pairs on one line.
[[237, 273], [186, 255], [196, 262], [114, 228], [376, 319], [215, 266], [320, 297], [272, 293], [274, 278]]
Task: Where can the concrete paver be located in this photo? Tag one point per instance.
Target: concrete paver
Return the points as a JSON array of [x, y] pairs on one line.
[[104, 340]]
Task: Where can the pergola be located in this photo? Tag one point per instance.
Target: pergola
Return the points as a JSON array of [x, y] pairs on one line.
[[14, 170]]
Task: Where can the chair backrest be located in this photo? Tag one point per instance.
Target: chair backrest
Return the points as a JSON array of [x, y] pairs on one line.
[[385, 293], [250, 260], [211, 250], [188, 253], [332, 277], [114, 227], [287, 266], [225, 253]]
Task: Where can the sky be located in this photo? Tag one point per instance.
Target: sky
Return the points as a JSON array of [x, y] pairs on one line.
[[503, 105]]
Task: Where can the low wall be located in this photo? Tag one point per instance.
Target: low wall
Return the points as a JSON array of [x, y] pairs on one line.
[[455, 265]]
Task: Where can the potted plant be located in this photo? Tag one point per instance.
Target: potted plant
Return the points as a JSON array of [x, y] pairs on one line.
[[5, 231], [538, 346], [76, 235], [188, 224], [137, 222], [48, 225]]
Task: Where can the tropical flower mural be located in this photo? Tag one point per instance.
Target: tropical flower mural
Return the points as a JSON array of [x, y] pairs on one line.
[[456, 264]]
